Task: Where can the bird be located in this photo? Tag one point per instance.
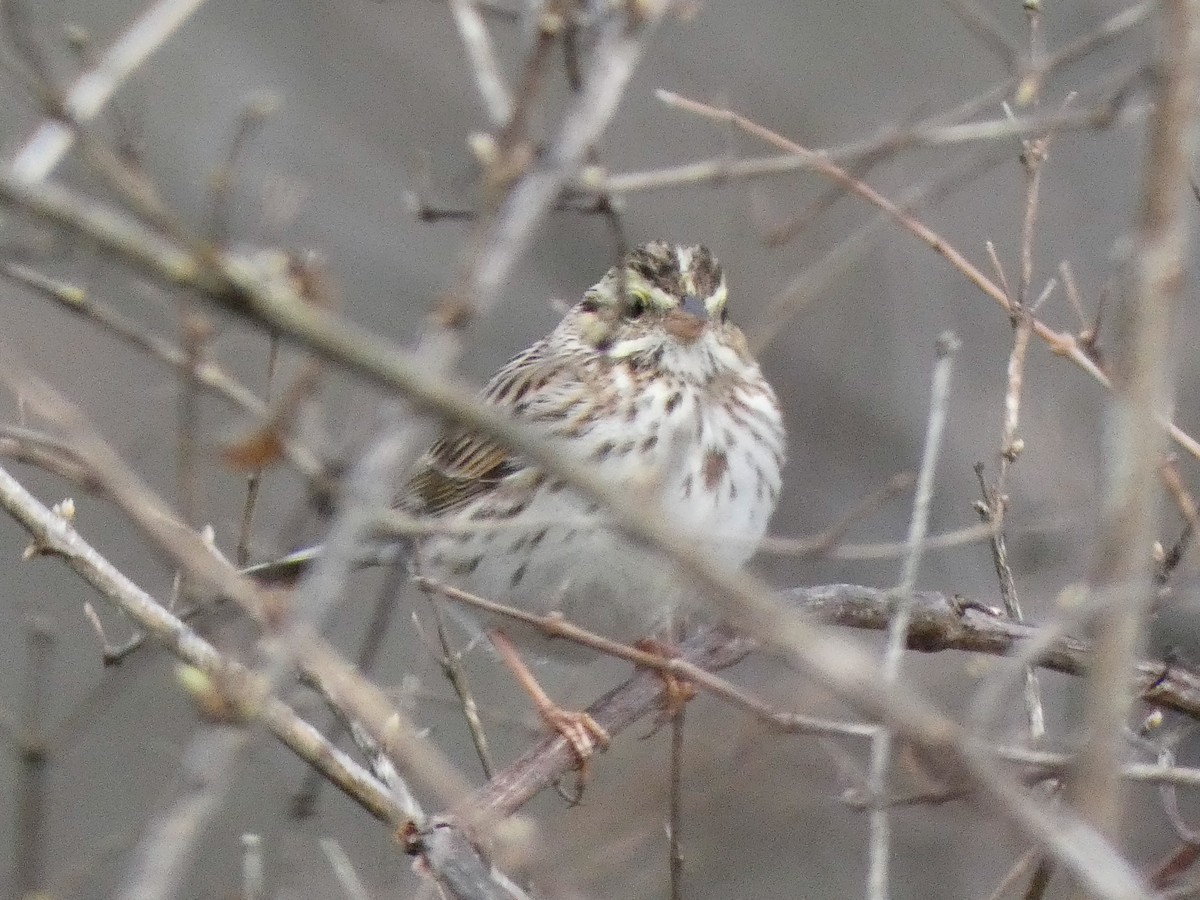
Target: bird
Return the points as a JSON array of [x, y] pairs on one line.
[[646, 381]]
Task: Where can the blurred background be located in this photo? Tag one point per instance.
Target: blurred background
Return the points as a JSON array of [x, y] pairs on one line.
[[374, 103]]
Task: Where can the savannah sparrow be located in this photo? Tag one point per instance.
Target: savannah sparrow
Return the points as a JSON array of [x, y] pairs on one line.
[[646, 380]]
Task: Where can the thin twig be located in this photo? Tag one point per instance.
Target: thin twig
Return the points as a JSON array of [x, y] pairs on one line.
[[1071, 288], [1169, 475], [53, 534], [675, 805], [799, 159], [87, 96], [119, 171], [30, 828], [305, 799], [254, 112], [986, 31], [1033, 160], [828, 541], [478, 43], [616, 710], [1169, 794], [127, 133], [255, 477], [1060, 343], [491, 253], [196, 332], [554, 626], [841, 666], [812, 281], [207, 373], [343, 870], [969, 534], [450, 661], [994, 508], [878, 887], [47, 453]]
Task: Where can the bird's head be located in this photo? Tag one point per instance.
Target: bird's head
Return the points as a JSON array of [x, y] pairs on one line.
[[663, 306]]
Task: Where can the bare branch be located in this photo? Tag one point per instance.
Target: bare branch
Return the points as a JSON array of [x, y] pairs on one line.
[[1060, 343], [986, 31], [87, 96], [1122, 575], [897, 633], [491, 253], [840, 665], [818, 160], [30, 826], [343, 869], [478, 44], [53, 534], [160, 860]]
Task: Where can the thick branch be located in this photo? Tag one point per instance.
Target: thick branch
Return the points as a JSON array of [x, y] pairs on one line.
[[1141, 393]]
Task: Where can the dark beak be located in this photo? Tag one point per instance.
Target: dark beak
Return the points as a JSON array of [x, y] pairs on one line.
[[687, 323], [693, 305]]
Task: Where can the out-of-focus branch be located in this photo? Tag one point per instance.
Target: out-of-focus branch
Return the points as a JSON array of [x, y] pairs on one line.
[[1122, 573], [293, 636], [986, 30], [48, 454], [490, 254], [205, 373], [76, 300], [791, 162], [1060, 343], [879, 829], [843, 667], [478, 44], [87, 96], [32, 835], [164, 850], [161, 859], [53, 534], [937, 623]]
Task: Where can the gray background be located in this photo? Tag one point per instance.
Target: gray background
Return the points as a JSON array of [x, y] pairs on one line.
[[376, 100]]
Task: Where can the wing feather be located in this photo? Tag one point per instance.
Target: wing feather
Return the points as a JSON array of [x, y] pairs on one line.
[[463, 466]]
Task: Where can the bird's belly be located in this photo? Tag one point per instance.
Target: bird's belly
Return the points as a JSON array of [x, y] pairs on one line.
[[557, 556], [722, 492], [564, 562]]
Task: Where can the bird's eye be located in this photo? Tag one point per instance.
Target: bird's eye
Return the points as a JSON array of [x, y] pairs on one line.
[[638, 302]]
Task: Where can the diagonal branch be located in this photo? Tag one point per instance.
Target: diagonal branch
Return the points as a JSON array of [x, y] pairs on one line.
[[842, 666], [53, 534], [87, 96]]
